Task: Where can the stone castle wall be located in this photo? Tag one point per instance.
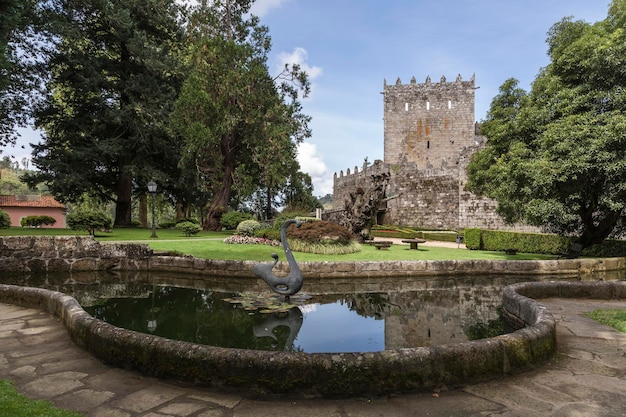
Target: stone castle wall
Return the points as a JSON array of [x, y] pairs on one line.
[[430, 134], [428, 123]]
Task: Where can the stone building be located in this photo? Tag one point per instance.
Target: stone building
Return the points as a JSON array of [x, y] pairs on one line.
[[430, 133]]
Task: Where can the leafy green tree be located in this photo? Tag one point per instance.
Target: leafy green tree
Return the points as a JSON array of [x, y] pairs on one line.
[[556, 157], [17, 65], [89, 220], [112, 83], [298, 194], [236, 120]]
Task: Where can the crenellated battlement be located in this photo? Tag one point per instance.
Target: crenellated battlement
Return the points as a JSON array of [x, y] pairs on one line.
[[458, 82]]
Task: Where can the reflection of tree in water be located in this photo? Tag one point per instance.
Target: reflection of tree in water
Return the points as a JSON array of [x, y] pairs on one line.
[[375, 305], [191, 315]]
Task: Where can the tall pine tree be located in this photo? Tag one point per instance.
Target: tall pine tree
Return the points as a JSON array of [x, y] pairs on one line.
[[240, 125], [113, 80]]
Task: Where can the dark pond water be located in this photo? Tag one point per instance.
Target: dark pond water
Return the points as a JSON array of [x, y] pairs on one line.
[[203, 316], [339, 315]]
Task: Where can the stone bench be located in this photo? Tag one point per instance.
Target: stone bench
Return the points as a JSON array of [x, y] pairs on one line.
[[381, 244], [413, 242]]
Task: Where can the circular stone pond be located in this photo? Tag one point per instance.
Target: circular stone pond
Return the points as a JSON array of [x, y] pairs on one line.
[[424, 312]]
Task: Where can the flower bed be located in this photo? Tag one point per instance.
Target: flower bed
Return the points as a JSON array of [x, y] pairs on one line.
[[250, 240]]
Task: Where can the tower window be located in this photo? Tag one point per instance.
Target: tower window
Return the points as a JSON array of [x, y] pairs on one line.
[[428, 105], [427, 144], [449, 104], [406, 106]]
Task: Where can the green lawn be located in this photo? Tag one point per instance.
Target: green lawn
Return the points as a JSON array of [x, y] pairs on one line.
[[613, 318], [16, 405], [209, 245], [215, 249]]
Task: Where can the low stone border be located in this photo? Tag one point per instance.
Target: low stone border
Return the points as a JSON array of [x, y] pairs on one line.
[[332, 374], [26, 254]]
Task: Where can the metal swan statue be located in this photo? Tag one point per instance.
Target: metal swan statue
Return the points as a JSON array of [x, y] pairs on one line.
[[290, 284]]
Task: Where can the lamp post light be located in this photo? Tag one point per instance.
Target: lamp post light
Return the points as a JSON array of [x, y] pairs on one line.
[[152, 187]]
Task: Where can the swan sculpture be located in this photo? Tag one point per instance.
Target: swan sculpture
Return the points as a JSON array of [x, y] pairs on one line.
[[290, 284]]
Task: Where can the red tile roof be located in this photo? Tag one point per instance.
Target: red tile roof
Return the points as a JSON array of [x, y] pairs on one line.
[[31, 201]]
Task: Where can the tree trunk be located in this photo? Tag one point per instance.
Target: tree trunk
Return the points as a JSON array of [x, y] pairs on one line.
[[596, 234], [217, 208], [123, 206], [221, 197]]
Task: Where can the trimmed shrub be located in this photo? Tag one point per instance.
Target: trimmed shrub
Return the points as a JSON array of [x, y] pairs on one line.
[[89, 220], [188, 219], [473, 239], [495, 240], [321, 232], [248, 227], [394, 232], [297, 245], [231, 219], [322, 237], [37, 221], [188, 228], [5, 220]]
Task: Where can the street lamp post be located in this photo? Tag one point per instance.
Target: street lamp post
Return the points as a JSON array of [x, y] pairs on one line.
[[152, 187]]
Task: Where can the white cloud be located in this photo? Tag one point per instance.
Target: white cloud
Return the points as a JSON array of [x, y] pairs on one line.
[[262, 7], [299, 56], [313, 164]]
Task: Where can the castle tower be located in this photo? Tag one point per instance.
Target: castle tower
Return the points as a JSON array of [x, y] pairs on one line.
[[428, 123]]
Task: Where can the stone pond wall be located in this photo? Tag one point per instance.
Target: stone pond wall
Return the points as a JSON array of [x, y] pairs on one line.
[[298, 373]]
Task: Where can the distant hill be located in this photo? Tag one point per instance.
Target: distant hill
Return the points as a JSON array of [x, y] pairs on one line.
[[326, 201]]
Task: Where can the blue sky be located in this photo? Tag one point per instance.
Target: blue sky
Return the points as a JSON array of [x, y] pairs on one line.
[[350, 46]]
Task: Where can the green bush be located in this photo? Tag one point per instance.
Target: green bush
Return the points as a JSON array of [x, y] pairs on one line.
[[248, 227], [167, 225], [323, 248], [321, 232], [89, 220], [322, 237], [37, 221], [608, 249], [386, 231], [231, 219], [267, 233], [188, 219], [496, 240], [188, 228], [473, 239], [5, 220]]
